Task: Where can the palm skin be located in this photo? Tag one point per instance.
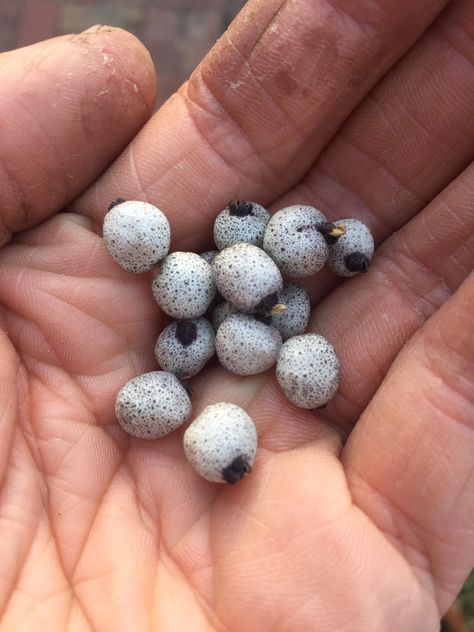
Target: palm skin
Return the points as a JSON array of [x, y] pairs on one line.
[[357, 518]]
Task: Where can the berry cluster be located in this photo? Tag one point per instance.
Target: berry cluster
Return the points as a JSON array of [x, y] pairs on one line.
[[258, 320]]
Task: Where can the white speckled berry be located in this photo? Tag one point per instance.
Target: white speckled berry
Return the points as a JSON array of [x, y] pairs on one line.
[[246, 346], [183, 287], [294, 320], [308, 370], [221, 443], [240, 222], [137, 235], [184, 347], [221, 312], [246, 276], [353, 251], [152, 405], [209, 255], [293, 241]]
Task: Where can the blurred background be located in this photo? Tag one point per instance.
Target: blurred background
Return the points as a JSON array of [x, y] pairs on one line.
[[177, 33]]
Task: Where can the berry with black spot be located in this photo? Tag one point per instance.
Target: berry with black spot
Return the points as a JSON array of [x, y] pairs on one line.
[[221, 443], [352, 253], [245, 276], [184, 347], [240, 222]]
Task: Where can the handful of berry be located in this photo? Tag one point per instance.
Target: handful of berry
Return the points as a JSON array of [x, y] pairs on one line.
[[258, 320]]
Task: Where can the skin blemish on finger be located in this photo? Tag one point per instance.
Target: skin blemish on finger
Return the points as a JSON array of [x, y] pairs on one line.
[[107, 56], [285, 81], [91, 32], [249, 17], [235, 85]]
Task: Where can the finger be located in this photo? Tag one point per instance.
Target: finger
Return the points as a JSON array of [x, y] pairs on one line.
[[371, 317], [69, 106], [407, 140], [9, 369], [257, 111], [410, 459]]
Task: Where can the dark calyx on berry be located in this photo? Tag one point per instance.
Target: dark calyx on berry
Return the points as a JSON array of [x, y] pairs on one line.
[[262, 318], [116, 202], [186, 332], [266, 304], [357, 262], [240, 209], [329, 232], [236, 470]]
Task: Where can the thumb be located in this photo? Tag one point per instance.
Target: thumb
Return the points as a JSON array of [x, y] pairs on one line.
[[68, 107]]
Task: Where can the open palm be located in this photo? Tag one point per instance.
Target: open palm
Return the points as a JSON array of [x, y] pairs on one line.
[[355, 518]]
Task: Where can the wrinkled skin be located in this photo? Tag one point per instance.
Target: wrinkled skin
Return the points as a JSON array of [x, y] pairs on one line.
[[358, 517]]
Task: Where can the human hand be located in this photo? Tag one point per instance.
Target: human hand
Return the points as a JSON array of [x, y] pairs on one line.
[[102, 531]]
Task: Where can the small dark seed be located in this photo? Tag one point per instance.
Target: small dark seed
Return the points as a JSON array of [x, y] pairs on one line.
[[236, 470], [266, 304], [186, 332], [325, 230], [116, 202], [240, 209], [357, 262]]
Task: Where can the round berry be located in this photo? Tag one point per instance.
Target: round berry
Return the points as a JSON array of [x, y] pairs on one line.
[[221, 443], [152, 405], [183, 287], [308, 370], [184, 347], [246, 346], [136, 234], [353, 251], [293, 241], [294, 320], [240, 222], [247, 278]]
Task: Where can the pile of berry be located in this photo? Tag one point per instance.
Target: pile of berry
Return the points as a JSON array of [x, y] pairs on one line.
[[257, 319]]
